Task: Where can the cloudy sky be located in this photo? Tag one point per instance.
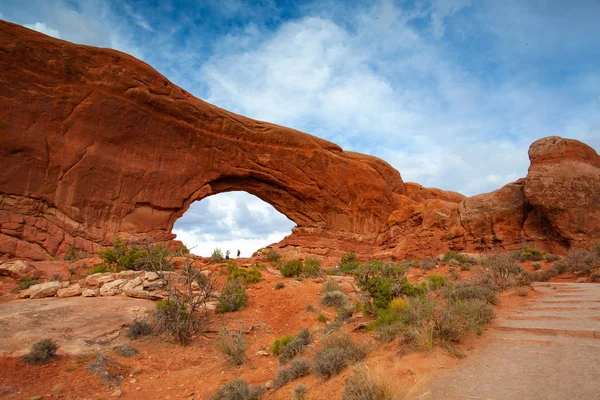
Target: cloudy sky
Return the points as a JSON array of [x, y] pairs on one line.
[[450, 92]]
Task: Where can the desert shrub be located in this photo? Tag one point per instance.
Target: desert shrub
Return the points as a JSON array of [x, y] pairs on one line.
[[436, 282], [349, 262], [111, 371], [321, 318], [335, 353], [473, 291], [552, 257], [595, 276], [144, 257], [233, 345], [300, 392], [457, 258], [231, 266], [311, 268], [217, 255], [260, 265], [502, 273], [41, 352], [233, 296], [543, 276], [310, 308], [428, 264], [297, 369], [100, 269], [296, 346], [522, 291], [279, 285], [363, 384], [73, 254], [461, 316], [126, 351], [184, 311], [387, 333], [272, 255], [536, 266], [238, 389], [26, 282], [248, 275], [331, 286], [291, 268], [277, 345], [528, 254], [334, 298], [583, 261], [138, 328], [381, 282]]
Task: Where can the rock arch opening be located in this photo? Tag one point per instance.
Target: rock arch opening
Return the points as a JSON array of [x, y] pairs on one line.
[[234, 220]]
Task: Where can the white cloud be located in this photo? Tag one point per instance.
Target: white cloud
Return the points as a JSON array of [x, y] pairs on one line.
[[137, 18], [41, 27]]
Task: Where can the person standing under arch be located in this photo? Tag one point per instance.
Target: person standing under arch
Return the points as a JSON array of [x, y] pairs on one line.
[[227, 255]]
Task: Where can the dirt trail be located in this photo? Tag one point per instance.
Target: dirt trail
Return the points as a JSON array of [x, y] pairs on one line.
[[550, 350]]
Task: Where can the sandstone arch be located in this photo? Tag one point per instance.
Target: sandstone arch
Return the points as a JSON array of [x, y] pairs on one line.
[[95, 144]]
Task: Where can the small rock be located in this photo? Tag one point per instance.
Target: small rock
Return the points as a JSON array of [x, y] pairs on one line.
[[35, 398], [262, 353], [90, 293], [69, 291], [46, 289], [133, 381], [116, 393], [269, 385], [580, 280]]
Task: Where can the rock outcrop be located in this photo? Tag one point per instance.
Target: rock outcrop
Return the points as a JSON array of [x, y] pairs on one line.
[[18, 270], [98, 145]]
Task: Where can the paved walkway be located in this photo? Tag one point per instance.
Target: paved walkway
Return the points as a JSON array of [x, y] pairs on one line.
[[548, 351]]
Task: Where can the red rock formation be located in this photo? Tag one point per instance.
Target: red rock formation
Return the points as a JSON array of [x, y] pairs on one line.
[[96, 145]]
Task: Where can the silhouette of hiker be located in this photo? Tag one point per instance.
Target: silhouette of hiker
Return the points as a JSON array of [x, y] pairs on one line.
[[227, 255], [239, 252]]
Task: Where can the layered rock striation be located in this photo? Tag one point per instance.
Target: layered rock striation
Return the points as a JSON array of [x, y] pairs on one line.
[[96, 144]]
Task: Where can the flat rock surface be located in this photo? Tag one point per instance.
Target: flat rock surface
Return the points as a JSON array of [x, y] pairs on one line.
[[78, 324], [550, 350]]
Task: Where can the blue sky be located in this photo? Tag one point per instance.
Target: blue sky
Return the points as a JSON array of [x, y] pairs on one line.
[[450, 92]]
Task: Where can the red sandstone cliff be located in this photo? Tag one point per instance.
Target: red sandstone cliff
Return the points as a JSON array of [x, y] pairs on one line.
[[96, 144]]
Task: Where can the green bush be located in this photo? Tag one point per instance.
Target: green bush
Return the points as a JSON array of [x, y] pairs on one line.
[[428, 264], [26, 282], [435, 282], [300, 392], [473, 291], [144, 258], [233, 345], [297, 369], [364, 385], [238, 389], [552, 257], [139, 328], [100, 269], [335, 353], [457, 258], [528, 254], [349, 262], [291, 268], [73, 254], [279, 285], [217, 256], [272, 255], [233, 296], [277, 345], [335, 298], [41, 352], [536, 266], [248, 275], [231, 266], [502, 273], [312, 267], [296, 346]]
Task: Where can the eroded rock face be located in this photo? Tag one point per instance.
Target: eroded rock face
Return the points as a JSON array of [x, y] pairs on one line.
[[18, 270], [98, 145]]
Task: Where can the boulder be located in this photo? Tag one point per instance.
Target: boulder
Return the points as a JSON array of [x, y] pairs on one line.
[[90, 292], [46, 289], [97, 280], [112, 288], [18, 270], [70, 291]]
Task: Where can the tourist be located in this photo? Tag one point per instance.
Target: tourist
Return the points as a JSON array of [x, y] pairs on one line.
[[227, 255], [239, 253]]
